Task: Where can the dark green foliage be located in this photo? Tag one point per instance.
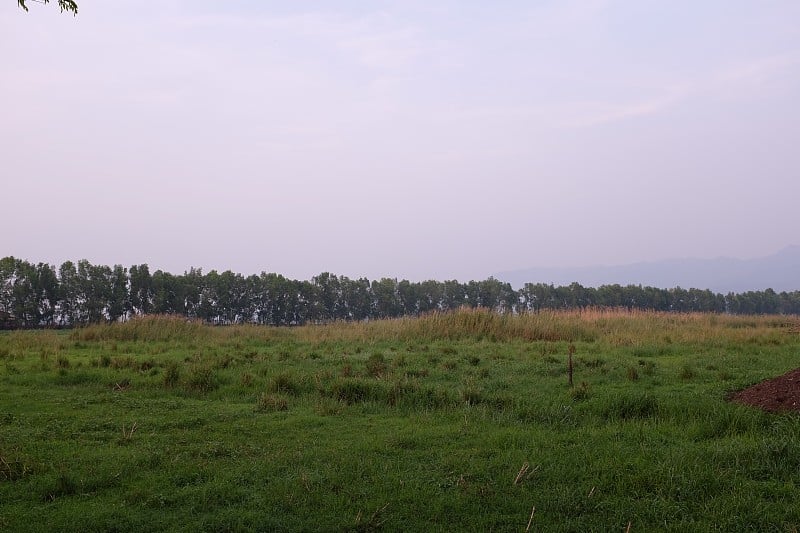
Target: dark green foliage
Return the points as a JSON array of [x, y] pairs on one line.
[[82, 294]]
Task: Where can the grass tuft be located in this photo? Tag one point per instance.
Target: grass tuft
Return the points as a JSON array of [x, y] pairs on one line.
[[269, 402], [631, 406]]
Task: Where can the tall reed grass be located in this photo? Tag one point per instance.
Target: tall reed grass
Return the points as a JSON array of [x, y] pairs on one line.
[[617, 327]]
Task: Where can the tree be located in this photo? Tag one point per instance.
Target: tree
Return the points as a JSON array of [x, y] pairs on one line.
[[141, 289], [70, 305], [119, 304], [65, 5]]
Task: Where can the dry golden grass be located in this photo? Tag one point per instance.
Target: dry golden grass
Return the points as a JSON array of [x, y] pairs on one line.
[[615, 327]]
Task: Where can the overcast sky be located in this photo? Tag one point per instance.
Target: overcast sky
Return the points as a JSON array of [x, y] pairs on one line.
[[410, 139]]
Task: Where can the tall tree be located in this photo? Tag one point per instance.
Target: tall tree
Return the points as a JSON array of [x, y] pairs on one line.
[[49, 293], [70, 305], [141, 289], [119, 303]]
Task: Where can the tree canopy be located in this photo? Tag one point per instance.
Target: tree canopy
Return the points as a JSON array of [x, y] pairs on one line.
[[65, 5], [41, 295]]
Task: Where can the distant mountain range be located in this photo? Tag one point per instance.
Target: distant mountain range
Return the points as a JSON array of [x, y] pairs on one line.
[[780, 272]]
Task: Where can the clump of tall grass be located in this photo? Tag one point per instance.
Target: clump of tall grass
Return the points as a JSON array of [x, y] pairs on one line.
[[13, 466], [687, 372], [484, 324], [171, 375], [631, 406], [356, 390], [147, 328], [201, 378], [286, 383], [376, 365], [268, 402], [581, 392], [645, 332]]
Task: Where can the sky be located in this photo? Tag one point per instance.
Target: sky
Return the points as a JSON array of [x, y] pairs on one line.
[[409, 139]]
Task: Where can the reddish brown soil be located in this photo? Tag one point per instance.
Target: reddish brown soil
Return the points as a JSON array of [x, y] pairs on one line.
[[776, 394]]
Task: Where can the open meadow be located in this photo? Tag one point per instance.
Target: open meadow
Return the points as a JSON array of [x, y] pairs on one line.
[[451, 422]]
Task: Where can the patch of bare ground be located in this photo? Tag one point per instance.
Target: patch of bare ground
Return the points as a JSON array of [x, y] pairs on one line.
[[777, 394]]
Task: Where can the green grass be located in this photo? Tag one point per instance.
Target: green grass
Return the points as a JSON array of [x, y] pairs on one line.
[[402, 425]]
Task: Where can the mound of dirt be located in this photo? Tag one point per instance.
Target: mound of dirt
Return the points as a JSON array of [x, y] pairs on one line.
[[776, 394]]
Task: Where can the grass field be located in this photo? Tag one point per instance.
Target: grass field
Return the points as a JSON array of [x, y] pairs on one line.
[[456, 422]]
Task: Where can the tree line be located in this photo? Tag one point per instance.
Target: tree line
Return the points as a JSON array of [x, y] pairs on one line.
[[74, 294]]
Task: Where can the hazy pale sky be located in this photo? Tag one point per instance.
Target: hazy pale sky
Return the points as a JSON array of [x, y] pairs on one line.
[[411, 139]]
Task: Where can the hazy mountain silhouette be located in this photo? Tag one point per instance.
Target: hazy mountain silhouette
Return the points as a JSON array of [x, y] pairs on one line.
[[780, 272]]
